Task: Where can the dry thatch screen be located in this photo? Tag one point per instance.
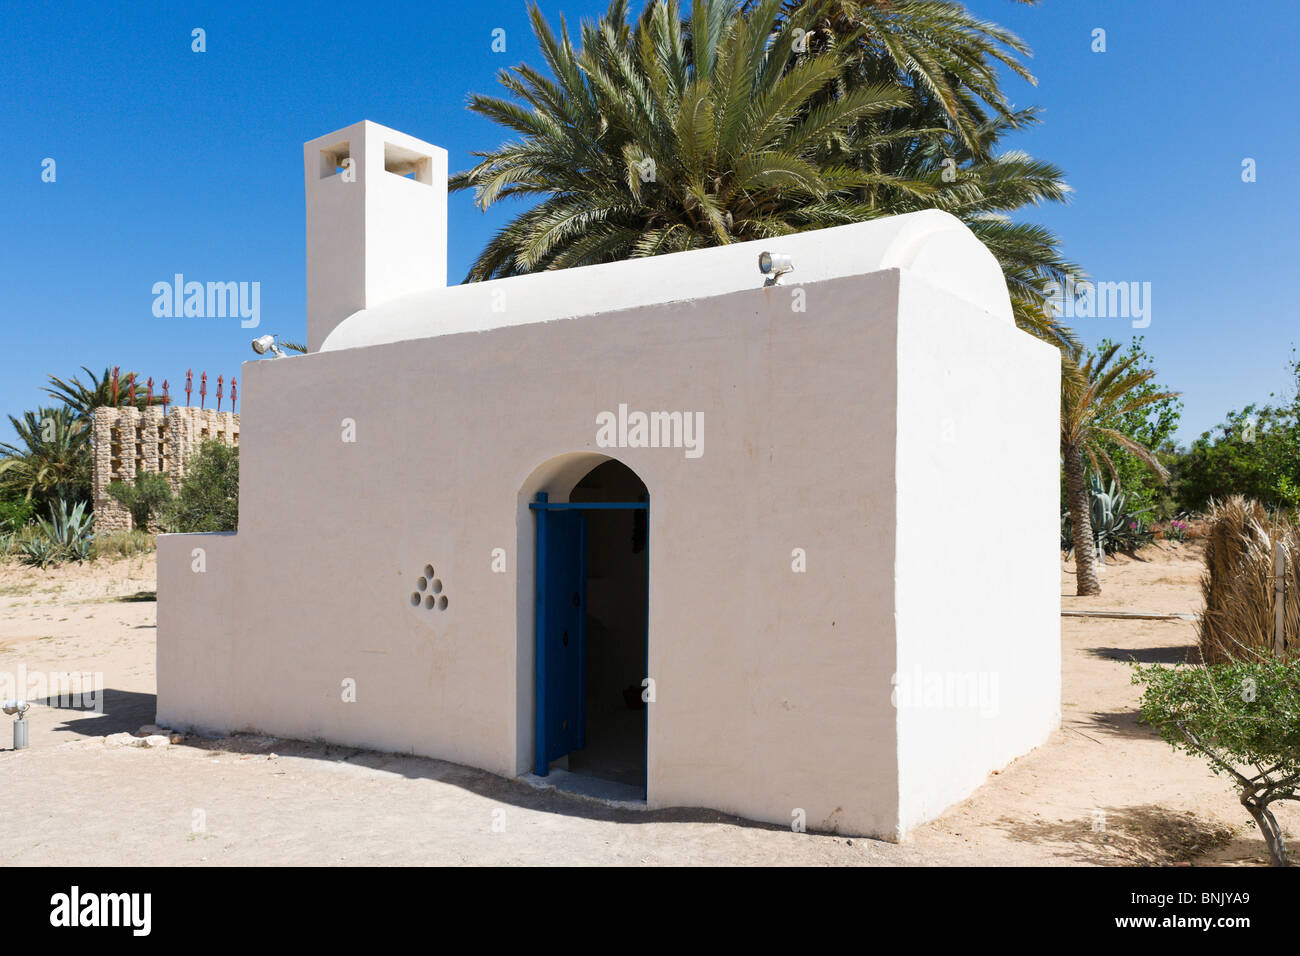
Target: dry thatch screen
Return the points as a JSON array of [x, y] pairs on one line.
[[1238, 584]]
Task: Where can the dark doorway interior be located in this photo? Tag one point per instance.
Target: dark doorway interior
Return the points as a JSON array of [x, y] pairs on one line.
[[617, 566]]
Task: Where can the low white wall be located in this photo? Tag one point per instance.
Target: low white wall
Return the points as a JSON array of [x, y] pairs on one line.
[[202, 604]]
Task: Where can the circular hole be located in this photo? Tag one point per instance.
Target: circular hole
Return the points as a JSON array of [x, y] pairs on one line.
[[437, 585], [428, 601], [415, 599], [428, 570], [422, 584], [442, 602]]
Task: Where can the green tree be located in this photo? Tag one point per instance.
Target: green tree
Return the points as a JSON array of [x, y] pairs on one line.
[[1095, 395], [51, 459], [1255, 452], [1244, 719], [149, 496], [727, 126], [209, 492]]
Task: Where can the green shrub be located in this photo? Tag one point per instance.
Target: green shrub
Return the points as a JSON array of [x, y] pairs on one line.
[[1254, 453], [209, 493], [15, 514], [1243, 718], [146, 499]]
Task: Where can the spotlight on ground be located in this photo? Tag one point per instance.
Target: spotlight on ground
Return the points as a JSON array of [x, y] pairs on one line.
[[17, 708]]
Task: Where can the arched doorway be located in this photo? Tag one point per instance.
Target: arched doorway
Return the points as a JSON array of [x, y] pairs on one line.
[[592, 604]]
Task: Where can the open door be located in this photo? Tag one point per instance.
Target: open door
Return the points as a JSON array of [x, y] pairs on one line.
[[561, 634]]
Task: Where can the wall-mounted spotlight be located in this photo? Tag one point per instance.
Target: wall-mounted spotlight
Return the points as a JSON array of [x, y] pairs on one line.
[[774, 265], [17, 709], [268, 343]]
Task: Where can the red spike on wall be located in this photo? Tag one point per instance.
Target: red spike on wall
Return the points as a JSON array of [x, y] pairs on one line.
[[189, 385], [166, 398], [234, 393], [219, 381], [203, 389]]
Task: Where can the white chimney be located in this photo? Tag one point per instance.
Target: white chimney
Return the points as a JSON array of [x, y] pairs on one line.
[[376, 222]]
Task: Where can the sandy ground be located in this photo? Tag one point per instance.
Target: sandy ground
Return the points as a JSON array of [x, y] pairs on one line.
[[1103, 791]]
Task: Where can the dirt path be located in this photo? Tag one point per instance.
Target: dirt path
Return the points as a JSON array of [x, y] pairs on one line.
[[1104, 790]]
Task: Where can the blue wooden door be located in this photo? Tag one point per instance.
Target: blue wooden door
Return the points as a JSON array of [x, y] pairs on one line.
[[561, 634]]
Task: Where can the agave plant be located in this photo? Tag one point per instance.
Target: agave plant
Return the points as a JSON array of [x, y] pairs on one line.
[[1114, 526], [66, 535], [40, 552]]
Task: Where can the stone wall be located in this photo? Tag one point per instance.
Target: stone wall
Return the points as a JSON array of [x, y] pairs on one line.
[[127, 440]]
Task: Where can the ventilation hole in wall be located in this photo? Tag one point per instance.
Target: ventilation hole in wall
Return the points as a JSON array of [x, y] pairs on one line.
[[408, 164], [428, 595]]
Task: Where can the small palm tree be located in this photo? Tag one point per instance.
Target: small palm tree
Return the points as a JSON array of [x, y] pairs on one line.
[[52, 457], [1093, 395], [83, 399]]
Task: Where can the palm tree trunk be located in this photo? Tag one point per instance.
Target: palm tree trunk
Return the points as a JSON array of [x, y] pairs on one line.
[[1085, 548]]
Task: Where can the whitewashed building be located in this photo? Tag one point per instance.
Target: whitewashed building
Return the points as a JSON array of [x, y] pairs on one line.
[[712, 541]]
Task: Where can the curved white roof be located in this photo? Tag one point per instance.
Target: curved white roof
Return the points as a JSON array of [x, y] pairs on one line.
[[931, 244]]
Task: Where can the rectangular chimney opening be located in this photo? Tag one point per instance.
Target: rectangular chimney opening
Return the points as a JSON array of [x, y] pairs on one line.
[[332, 159], [408, 164]]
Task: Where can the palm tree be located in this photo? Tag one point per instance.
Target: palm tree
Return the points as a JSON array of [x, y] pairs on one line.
[[1093, 395], [671, 136], [984, 187], [83, 399], [676, 134], [52, 457], [946, 56]]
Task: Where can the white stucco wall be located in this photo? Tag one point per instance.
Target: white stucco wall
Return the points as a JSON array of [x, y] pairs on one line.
[[773, 687], [932, 245], [978, 599]]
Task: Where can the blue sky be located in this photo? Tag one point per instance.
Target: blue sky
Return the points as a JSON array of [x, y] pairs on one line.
[[173, 161]]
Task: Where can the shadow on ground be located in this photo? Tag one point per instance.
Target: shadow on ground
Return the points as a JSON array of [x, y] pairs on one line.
[[1146, 835], [487, 785], [122, 711], [1187, 654]]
